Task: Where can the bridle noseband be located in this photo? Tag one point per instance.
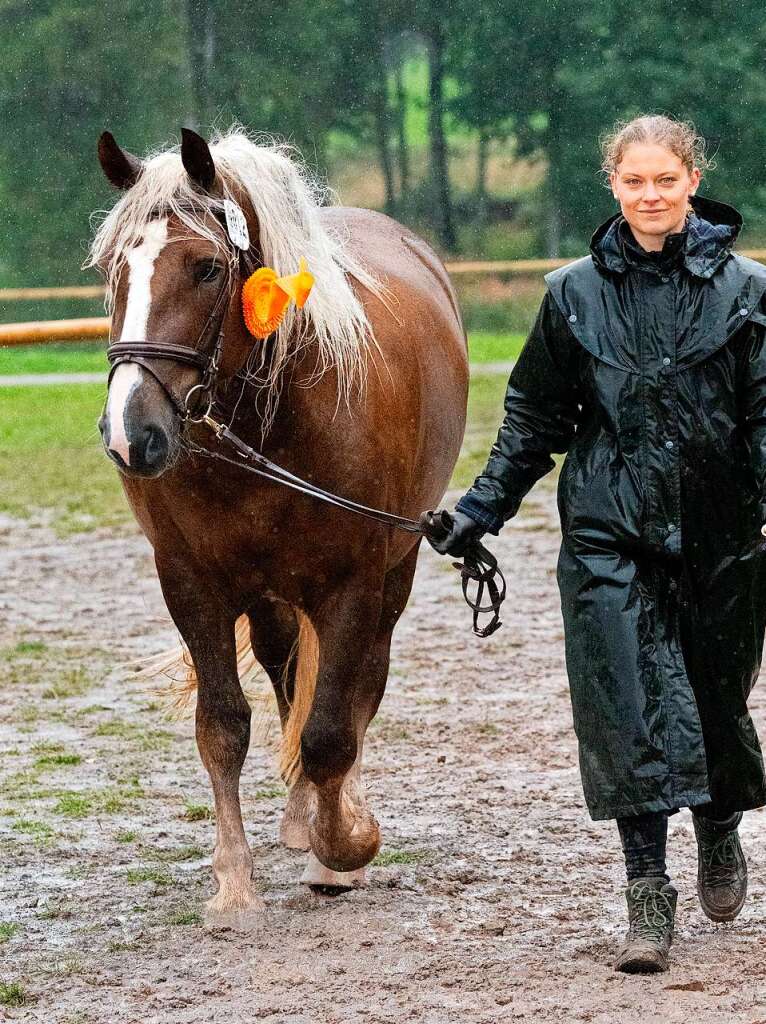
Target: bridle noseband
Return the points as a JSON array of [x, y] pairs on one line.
[[143, 352]]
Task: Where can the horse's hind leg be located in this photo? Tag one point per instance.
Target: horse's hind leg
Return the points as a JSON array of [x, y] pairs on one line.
[[354, 645], [274, 635], [223, 736]]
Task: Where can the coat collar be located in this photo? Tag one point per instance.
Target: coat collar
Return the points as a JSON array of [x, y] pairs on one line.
[[704, 244]]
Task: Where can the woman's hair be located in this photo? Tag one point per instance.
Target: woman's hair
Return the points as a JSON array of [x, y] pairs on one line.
[[680, 137]]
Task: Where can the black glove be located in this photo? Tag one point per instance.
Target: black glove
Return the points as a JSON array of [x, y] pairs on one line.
[[462, 532]]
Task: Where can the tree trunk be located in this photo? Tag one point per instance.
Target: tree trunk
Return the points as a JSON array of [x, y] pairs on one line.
[[401, 133], [200, 32], [482, 155], [382, 125], [439, 166]]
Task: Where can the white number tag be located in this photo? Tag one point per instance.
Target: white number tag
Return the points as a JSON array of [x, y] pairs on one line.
[[236, 224]]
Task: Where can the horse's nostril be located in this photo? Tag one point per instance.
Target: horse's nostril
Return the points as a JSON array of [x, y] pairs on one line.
[[155, 447]]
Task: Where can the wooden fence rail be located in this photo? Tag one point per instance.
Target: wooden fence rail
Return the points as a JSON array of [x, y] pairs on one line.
[[98, 327]]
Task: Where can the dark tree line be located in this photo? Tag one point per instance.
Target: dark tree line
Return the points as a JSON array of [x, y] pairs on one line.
[[551, 76]]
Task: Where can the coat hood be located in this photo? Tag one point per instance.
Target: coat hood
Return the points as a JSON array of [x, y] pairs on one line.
[[704, 244]]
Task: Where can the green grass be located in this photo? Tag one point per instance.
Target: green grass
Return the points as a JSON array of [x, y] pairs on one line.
[[492, 347], [84, 358], [51, 458], [7, 930], [387, 858], [198, 812], [12, 994], [160, 876], [184, 916]]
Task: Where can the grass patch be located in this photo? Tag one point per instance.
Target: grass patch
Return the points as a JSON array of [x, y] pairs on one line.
[[494, 347], [13, 994], [74, 682], [184, 916], [54, 358], [57, 760], [160, 876], [7, 930], [198, 812], [387, 858], [138, 735], [74, 805], [270, 793], [178, 855], [126, 836], [51, 458], [25, 646], [31, 827]]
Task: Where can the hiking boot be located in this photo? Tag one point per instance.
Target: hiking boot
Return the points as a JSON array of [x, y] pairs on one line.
[[721, 869], [651, 913]]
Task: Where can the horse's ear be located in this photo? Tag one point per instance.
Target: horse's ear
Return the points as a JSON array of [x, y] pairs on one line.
[[120, 167], [196, 158]]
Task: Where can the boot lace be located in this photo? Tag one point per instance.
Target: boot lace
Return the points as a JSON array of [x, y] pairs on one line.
[[653, 912], [720, 858]]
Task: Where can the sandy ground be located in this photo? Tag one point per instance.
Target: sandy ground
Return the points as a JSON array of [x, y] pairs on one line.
[[496, 898]]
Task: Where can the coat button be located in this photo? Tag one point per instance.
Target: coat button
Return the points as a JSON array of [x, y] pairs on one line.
[[743, 312], [572, 318], [668, 444], [666, 361], [671, 527]]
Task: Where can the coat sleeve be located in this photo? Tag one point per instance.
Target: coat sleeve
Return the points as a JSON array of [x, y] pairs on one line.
[[753, 403], [541, 413]]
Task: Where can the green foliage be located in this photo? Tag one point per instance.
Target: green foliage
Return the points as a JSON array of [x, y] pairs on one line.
[[383, 78], [13, 994]]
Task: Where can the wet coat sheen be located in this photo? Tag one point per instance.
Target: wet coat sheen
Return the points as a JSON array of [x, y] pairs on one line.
[[649, 370]]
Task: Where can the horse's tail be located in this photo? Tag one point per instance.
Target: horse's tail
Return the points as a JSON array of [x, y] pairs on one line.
[[305, 654], [177, 666]]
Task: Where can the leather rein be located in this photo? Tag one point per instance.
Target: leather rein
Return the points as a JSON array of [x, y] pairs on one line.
[[478, 566]]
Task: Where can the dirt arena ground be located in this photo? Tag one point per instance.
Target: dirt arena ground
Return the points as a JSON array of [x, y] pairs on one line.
[[495, 898]]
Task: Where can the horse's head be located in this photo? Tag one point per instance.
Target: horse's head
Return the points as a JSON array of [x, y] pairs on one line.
[[175, 265], [173, 295]]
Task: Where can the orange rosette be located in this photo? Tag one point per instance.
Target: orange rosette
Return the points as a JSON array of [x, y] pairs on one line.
[[265, 297]]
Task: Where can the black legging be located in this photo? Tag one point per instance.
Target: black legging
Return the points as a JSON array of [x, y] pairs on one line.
[[644, 839]]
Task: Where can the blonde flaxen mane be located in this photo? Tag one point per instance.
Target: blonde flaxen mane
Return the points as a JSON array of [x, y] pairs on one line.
[[287, 201]]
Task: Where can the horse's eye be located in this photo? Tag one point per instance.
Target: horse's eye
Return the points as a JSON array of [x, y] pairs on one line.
[[207, 270]]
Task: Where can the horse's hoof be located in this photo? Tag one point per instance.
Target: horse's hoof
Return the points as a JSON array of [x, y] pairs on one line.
[[294, 835], [353, 851], [326, 882], [244, 917]]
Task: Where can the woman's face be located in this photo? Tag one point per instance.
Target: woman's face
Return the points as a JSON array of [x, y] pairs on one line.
[[653, 187]]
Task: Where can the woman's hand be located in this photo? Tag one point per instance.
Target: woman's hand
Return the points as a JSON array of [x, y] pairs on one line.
[[462, 532]]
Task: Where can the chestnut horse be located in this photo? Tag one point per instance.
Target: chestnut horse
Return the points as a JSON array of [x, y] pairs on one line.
[[362, 392]]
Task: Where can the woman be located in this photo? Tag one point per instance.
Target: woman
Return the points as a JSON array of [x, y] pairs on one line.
[[647, 365]]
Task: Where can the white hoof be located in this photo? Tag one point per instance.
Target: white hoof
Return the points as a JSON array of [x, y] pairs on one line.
[[329, 882]]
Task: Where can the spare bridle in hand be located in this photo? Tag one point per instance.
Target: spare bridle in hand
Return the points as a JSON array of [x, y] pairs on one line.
[[479, 565]]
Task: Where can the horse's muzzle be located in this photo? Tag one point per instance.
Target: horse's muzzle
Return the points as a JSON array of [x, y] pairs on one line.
[[149, 453]]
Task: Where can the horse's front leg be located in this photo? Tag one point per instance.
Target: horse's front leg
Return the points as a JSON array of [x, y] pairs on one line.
[[344, 835], [223, 737]]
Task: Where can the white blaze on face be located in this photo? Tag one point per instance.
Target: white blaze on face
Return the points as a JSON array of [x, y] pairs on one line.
[[127, 376]]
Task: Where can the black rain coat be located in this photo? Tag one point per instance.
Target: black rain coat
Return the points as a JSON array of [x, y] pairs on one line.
[[649, 370]]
